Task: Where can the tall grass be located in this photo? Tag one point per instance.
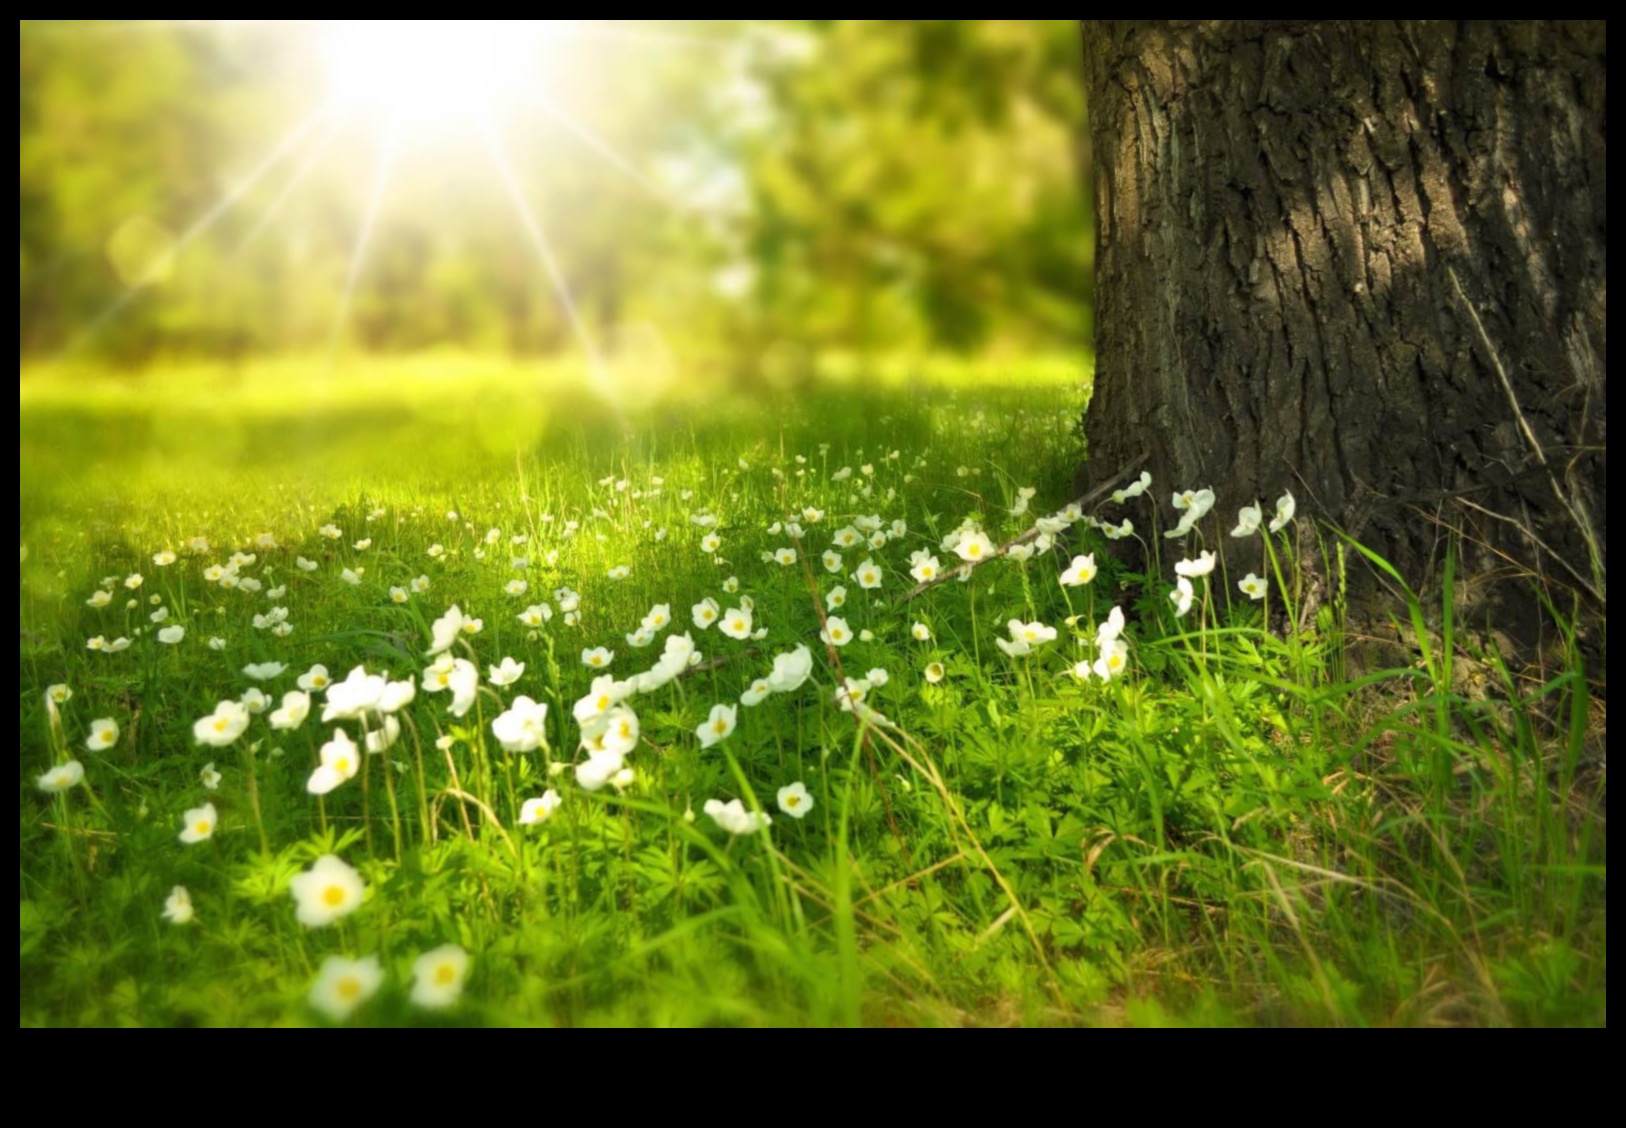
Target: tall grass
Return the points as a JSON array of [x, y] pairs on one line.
[[1259, 824]]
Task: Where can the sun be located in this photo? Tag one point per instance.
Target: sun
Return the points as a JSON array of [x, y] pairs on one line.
[[425, 73]]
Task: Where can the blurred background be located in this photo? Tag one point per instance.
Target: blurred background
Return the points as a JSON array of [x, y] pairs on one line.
[[747, 200]]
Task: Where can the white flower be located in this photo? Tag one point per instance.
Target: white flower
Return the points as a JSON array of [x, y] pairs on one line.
[[619, 572], [381, 740], [1032, 633], [1285, 508], [1021, 553], [58, 694], [397, 695], [228, 722], [846, 537], [163, 559], [133, 580], [1247, 520], [523, 727], [171, 635], [790, 670], [836, 598], [619, 731], [263, 671], [926, 568], [877, 677], [516, 587], [638, 639], [756, 693], [364, 544], [62, 777], [705, 613], [1182, 596], [198, 824], [1080, 572], [1111, 627], [658, 618], [296, 706], [717, 726], [438, 975], [343, 984], [104, 733], [1252, 586], [399, 595], [505, 673], [734, 818], [534, 812], [1196, 504], [327, 891], [1113, 660], [731, 585], [358, 693], [784, 556], [973, 546], [794, 800], [736, 623], [217, 643], [1134, 489], [604, 695], [536, 614], [341, 760], [595, 771], [444, 631], [710, 543], [331, 532], [314, 679], [868, 575], [1014, 647], [1126, 528], [934, 672], [836, 632], [178, 906], [99, 599], [159, 615], [352, 576], [305, 565], [1196, 569], [254, 701], [921, 632], [831, 560], [209, 777]]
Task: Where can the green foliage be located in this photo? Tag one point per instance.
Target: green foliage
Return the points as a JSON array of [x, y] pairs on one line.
[[1233, 833], [781, 189]]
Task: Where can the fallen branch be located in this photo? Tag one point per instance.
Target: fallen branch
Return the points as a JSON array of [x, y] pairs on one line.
[[1090, 498]]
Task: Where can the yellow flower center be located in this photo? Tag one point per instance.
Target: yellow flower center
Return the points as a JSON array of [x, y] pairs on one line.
[[974, 550], [719, 726], [202, 826], [596, 661], [793, 800], [333, 896], [445, 975], [220, 724], [342, 764], [603, 702], [348, 988], [926, 573]]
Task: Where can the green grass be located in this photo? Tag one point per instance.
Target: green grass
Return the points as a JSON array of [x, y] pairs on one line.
[[1234, 832]]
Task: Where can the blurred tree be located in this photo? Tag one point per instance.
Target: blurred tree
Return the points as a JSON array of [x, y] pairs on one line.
[[1365, 262]]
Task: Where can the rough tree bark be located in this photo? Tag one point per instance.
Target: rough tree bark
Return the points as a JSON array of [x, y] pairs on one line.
[[1321, 245]]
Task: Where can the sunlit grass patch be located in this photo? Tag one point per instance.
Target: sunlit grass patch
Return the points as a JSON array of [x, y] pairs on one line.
[[637, 717]]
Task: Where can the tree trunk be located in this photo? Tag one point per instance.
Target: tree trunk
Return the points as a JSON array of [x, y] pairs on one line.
[[1364, 262]]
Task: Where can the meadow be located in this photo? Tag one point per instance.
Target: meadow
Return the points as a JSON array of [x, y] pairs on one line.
[[458, 691]]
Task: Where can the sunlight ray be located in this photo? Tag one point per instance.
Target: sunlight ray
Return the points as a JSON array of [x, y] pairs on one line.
[[208, 219], [585, 134], [317, 151], [358, 254], [539, 241]]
